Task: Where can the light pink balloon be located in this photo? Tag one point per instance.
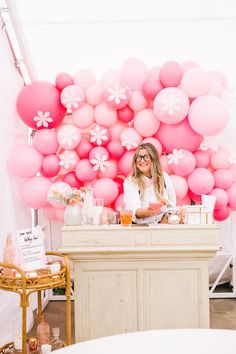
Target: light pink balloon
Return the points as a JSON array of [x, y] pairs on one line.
[[50, 166], [119, 203], [178, 136], [104, 115], [84, 148], [221, 197], [94, 94], [110, 77], [171, 105], [72, 97], [115, 149], [106, 189], [201, 181], [24, 161], [134, 73], [84, 171], [117, 96], [202, 158], [189, 65], [154, 142], [183, 201], [137, 101], [125, 163], [220, 158], [99, 135], [222, 214], [223, 178], [68, 136], [63, 80], [83, 117], [195, 82], [68, 160], [71, 179], [39, 106], [232, 169], [164, 163], [60, 214], [111, 171], [185, 165], [170, 74], [125, 114], [116, 130], [215, 88], [232, 195], [101, 151], [151, 88], [45, 141], [84, 78], [218, 76], [130, 139], [146, 123], [58, 188], [180, 185], [208, 115], [34, 192]]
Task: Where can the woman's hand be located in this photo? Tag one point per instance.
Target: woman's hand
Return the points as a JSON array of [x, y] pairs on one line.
[[146, 212]]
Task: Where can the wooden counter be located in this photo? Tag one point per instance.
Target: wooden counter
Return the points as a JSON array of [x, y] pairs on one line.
[[137, 278]]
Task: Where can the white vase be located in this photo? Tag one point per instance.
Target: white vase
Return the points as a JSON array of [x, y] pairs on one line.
[[72, 215]]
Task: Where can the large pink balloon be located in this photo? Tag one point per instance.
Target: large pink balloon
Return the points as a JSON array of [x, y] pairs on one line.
[[63, 80], [119, 203], [83, 117], [45, 141], [115, 149], [221, 197], [151, 88], [208, 115], [104, 115], [232, 195], [220, 158], [34, 192], [72, 97], [183, 201], [165, 165], [146, 123], [106, 189], [202, 158], [84, 148], [137, 101], [195, 82], [171, 74], [68, 136], [116, 130], [99, 135], [50, 166], [130, 138], [94, 94], [24, 161], [39, 106], [178, 136], [71, 179], [116, 96], [154, 142], [134, 73], [185, 165], [125, 163], [180, 186], [84, 171], [125, 114], [222, 214], [201, 181], [98, 150], [223, 178], [111, 171]]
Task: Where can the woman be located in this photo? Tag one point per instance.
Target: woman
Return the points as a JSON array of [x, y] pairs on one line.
[[148, 183]]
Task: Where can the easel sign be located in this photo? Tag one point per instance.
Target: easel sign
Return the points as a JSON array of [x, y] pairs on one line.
[[32, 250]]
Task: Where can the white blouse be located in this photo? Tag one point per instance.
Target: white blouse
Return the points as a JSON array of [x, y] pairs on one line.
[[133, 201]]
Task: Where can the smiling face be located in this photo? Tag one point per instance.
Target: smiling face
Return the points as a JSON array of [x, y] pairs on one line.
[[144, 162]]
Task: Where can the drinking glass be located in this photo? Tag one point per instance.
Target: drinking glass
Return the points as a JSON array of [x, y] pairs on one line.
[[126, 217], [97, 210], [113, 218]]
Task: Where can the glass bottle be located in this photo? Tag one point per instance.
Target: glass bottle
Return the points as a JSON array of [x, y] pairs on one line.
[[43, 332], [56, 342], [8, 255]]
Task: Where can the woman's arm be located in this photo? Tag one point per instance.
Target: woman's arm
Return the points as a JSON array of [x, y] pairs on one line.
[[144, 213]]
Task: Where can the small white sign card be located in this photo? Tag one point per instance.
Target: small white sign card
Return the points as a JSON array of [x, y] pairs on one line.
[[32, 250]]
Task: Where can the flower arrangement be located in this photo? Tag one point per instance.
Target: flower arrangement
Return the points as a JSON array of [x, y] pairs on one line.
[[76, 196]]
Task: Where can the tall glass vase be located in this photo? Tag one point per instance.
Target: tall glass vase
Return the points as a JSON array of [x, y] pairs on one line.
[[72, 215]]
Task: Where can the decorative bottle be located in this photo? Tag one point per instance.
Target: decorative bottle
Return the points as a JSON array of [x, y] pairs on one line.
[[8, 255], [55, 341], [43, 332]]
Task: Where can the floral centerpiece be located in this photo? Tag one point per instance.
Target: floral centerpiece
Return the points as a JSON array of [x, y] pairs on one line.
[[71, 197]]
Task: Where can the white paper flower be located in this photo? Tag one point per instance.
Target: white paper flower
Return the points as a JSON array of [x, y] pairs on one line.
[[68, 136], [207, 144], [130, 138], [100, 162], [98, 135], [68, 159], [42, 119], [170, 104], [117, 93], [175, 157], [70, 99]]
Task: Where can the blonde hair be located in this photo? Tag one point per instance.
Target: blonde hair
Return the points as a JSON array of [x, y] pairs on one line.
[[156, 171]]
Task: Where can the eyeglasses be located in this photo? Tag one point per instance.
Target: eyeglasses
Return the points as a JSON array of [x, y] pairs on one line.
[[144, 157]]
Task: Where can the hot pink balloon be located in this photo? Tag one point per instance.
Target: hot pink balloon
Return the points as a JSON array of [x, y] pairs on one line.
[[183, 201], [68, 136], [195, 82], [164, 163], [180, 185], [178, 136], [125, 163], [119, 203], [84, 170], [84, 148], [208, 115], [63, 80], [50, 166], [119, 181], [223, 178], [24, 161], [115, 149], [184, 164], [39, 106], [94, 94], [72, 97], [220, 158], [146, 123], [221, 197], [195, 197], [171, 74], [154, 142], [99, 135], [56, 188], [104, 115], [106, 189], [45, 141], [71, 179], [171, 105], [34, 192], [134, 73], [232, 195], [111, 170], [222, 214], [84, 78], [151, 88], [83, 117], [125, 114], [101, 151], [201, 181], [117, 96], [202, 158], [137, 101]]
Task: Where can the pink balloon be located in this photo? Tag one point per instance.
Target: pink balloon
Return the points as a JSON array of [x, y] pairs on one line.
[[180, 186], [208, 115], [219, 77], [146, 123], [39, 106], [71, 179], [99, 135], [164, 163], [151, 88], [84, 170], [45, 141], [183, 201], [119, 203], [83, 117], [134, 73], [50, 213], [137, 101], [63, 80], [184, 165], [50, 166], [125, 114], [24, 161], [72, 97], [195, 82], [178, 136], [106, 189], [220, 158], [84, 78], [101, 151], [68, 136], [117, 96], [58, 188], [119, 181], [223, 178], [34, 192], [111, 171], [94, 94], [84, 148], [68, 160], [115, 149], [104, 115], [171, 74], [116, 130], [232, 195], [130, 139], [171, 105], [60, 214], [195, 197], [215, 89], [154, 142], [201, 181], [222, 214], [125, 163], [221, 197], [232, 169], [202, 158]]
